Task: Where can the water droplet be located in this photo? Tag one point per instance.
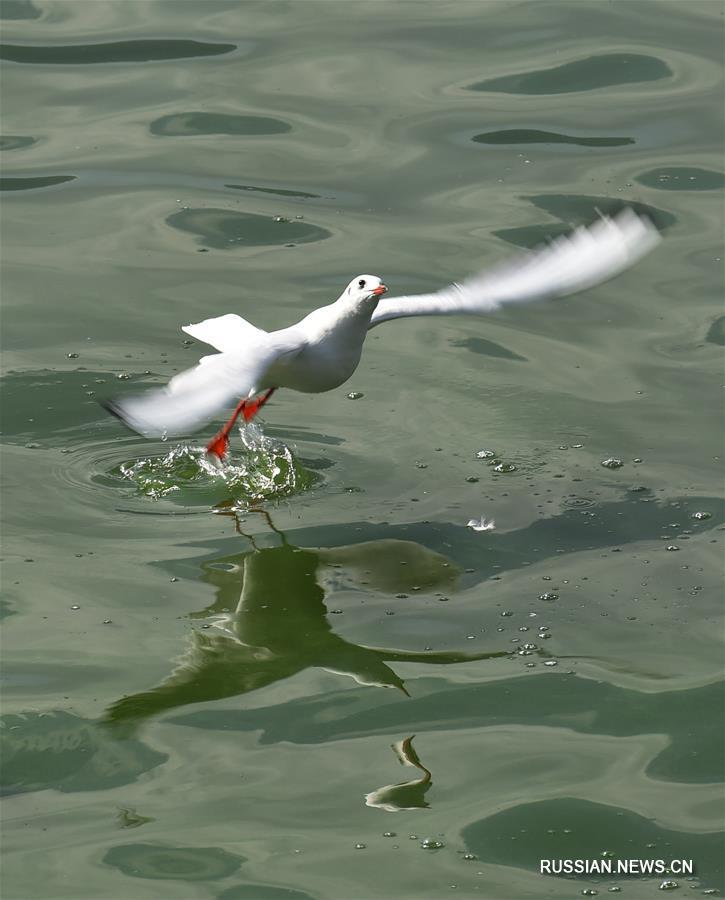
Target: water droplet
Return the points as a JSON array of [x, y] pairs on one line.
[[701, 515], [672, 547], [430, 844], [421, 465], [75, 606], [504, 467], [443, 599], [72, 355], [507, 612], [614, 889], [389, 834], [485, 454], [471, 479], [123, 376], [108, 621], [590, 892], [33, 446], [612, 463], [469, 856], [548, 595], [280, 219], [355, 395], [360, 846], [669, 886]]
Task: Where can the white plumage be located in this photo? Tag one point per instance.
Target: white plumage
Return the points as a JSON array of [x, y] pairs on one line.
[[322, 351]]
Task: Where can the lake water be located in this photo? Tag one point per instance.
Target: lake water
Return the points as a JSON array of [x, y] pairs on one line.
[[212, 679]]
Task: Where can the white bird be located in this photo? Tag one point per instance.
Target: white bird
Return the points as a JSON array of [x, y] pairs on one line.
[[323, 350]]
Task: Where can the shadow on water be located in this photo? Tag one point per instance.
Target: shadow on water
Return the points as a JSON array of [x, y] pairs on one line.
[[599, 71], [270, 622], [139, 51], [188, 124], [68, 753], [16, 141], [536, 136], [576, 209], [19, 9], [223, 229], [33, 183], [529, 832]]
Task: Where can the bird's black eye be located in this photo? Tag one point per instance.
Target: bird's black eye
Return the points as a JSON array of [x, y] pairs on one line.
[[361, 283]]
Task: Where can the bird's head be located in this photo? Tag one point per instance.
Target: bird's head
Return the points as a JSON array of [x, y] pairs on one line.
[[365, 288]]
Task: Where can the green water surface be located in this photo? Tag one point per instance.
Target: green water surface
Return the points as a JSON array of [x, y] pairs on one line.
[[303, 677]]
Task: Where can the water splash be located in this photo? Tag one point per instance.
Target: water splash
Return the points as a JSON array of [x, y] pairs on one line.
[[264, 469]]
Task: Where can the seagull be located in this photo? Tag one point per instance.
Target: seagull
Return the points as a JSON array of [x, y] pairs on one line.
[[323, 350]]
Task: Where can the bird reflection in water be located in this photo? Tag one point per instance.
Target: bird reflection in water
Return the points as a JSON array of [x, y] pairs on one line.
[[270, 622], [408, 794]]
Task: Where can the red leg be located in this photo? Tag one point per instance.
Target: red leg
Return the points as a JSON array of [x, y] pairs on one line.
[[219, 444], [252, 407]]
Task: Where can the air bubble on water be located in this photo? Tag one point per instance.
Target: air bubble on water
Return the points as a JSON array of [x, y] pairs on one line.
[[669, 886], [280, 219], [421, 465], [507, 612], [360, 846], [612, 463], [485, 454], [700, 515], [550, 662], [355, 395], [549, 595], [469, 856], [389, 834], [123, 376], [430, 844], [672, 547], [471, 479], [75, 606], [504, 467], [590, 892], [72, 355]]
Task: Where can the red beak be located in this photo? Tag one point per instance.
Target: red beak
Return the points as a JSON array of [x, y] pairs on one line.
[[379, 291]]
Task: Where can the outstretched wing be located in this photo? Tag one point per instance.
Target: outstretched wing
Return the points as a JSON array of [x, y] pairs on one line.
[[228, 332], [193, 397], [586, 257]]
